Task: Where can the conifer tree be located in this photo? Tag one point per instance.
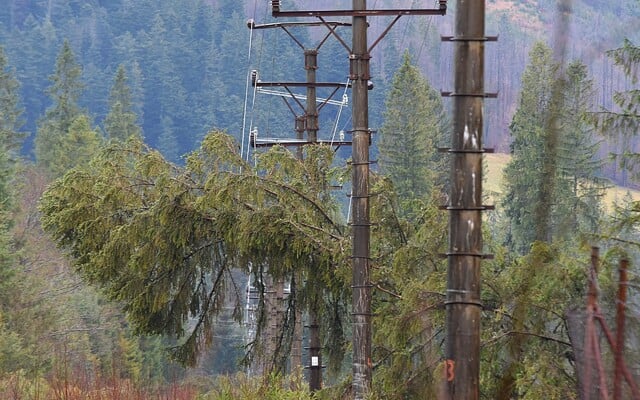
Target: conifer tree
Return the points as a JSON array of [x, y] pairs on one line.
[[78, 145], [65, 92], [163, 239], [167, 141], [12, 348], [623, 123], [414, 125], [580, 186], [523, 174], [10, 110], [120, 123], [572, 193], [165, 94]]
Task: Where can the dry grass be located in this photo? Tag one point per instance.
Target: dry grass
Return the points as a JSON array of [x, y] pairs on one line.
[[78, 386], [496, 162]]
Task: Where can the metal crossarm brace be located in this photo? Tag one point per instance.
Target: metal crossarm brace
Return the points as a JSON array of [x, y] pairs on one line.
[[277, 12]]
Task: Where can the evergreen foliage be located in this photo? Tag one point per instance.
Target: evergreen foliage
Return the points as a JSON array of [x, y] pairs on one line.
[[10, 109], [526, 350], [65, 92], [170, 242], [121, 122], [410, 278], [414, 125], [523, 174], [12, 348], [622, 123], [164, 240], [581, 186], [554, 166]]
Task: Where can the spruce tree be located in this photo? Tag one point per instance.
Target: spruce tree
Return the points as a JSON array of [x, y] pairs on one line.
[[167, 141], [165, 94], [552, 105], [163, 239], [10, 109], [65, 92], [414, 125], [12, 348], [523, 175], [580, 186], [622, 124], [79, 145], [120, 123]]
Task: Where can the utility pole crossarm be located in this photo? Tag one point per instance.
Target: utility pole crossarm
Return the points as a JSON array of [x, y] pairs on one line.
[[268, 142], [276, 11], [252, 24], [302, 84]]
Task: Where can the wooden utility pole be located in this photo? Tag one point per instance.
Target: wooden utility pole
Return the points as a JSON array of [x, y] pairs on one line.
[[361, 300], [359, 74], [463, 306], [311, 121], [308, 122]]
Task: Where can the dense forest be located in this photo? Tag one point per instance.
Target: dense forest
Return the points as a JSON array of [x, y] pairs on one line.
[[198, 51], [135, 227]]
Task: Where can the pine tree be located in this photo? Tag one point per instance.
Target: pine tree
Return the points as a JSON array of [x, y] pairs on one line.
[[65, 92], [120, 123], [414, 125], [10, 110]]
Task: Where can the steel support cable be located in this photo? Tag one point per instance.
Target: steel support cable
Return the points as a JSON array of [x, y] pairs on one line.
[[252, 113], [276, 42], [335, 125], [246, 94]]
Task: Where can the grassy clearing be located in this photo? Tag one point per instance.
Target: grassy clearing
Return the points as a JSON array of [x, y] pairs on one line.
[[493, 185]]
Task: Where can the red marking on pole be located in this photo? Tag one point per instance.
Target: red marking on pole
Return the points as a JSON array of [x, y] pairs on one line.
[[449, 370]]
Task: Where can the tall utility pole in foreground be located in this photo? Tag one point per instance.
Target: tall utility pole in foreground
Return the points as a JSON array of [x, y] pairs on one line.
[[463, 306], [361, 298]]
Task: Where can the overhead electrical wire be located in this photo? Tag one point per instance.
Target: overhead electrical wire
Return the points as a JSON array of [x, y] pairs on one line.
[[246, 93], [344, 102], [246, 139]]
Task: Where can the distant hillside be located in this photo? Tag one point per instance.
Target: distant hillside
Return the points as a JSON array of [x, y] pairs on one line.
[[493, 185], [188, 60]]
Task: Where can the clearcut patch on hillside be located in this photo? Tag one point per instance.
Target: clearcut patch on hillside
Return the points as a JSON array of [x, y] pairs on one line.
[[524, 13]]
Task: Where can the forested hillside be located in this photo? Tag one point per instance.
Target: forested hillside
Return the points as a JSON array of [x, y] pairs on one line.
[[187, 62]]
